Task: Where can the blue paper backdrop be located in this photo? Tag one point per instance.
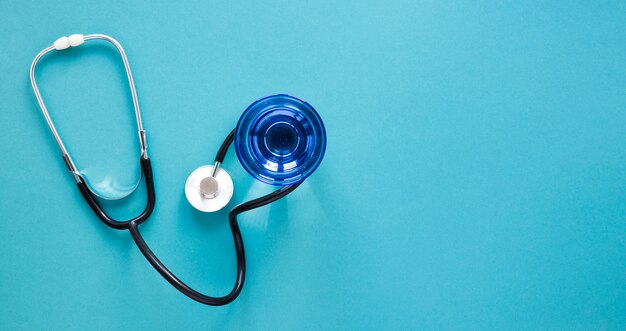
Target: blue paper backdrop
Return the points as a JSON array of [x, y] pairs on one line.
[[475, 175]]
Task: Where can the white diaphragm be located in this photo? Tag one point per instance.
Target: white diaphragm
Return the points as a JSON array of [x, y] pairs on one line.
[[209, 193]]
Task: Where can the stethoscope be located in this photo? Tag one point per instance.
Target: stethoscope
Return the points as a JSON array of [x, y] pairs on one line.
[[280, 140]]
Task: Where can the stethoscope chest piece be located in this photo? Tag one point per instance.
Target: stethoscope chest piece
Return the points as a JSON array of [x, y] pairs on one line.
[[209, 192]]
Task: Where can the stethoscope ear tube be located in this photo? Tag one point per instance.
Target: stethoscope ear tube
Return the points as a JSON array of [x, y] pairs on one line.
[[76, 40]]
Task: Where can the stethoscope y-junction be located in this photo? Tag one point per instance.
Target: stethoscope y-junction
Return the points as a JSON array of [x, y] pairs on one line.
[[280, 140]]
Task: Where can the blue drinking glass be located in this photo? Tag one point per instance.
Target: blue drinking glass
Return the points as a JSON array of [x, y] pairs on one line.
[[280, 140]]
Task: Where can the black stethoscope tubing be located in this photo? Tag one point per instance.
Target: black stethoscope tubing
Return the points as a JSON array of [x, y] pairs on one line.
[[132, 225]]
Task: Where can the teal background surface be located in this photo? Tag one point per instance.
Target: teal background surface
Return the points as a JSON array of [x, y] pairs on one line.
[[475, 175]]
